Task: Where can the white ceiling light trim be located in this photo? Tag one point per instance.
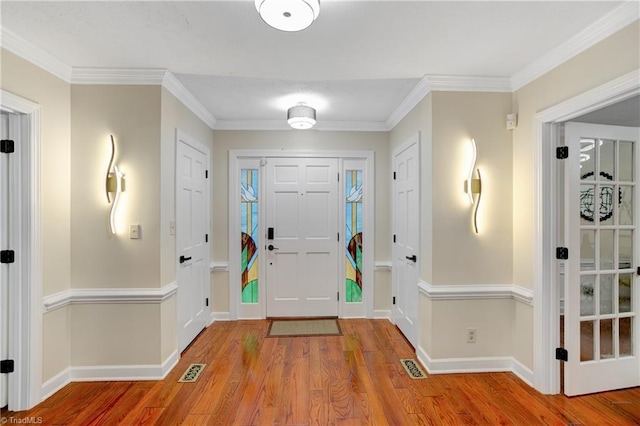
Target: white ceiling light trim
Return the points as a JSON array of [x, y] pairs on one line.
[[301, 117], [288, 15]]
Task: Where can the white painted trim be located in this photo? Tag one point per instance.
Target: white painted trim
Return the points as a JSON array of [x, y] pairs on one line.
[[153, 77], [108, 295], [474, 365], [34, 54], [476, 292], [177, 89], [407, 105], [219, 266], [383, 265], [546, 315], [26, 345], [455, 83], [382, 314], [109, 373], [607, 25], [220, 316]]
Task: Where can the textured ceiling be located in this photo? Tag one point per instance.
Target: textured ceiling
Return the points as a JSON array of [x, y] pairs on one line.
[[359, 60]]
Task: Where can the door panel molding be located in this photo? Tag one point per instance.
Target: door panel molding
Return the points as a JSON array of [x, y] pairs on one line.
[[244, 158]]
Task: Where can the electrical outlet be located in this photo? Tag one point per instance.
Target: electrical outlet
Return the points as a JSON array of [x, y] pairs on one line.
[[471, 335]]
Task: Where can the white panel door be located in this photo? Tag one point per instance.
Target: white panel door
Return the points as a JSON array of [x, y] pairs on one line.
[[406, 250], [191, 237], [302, 257], [4, 268], [601, 226]]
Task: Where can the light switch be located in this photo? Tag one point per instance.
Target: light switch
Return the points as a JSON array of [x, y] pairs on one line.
[[134, 232], [172, 228]]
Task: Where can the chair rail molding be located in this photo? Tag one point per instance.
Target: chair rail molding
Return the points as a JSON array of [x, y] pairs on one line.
[[108, 295], [476, 291]]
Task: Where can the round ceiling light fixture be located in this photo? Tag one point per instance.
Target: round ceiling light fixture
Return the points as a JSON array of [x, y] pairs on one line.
[[288, 15], [301, 117]]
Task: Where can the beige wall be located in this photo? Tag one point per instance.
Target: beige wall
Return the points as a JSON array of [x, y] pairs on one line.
[[174, 115], [224, 140], [54, 96], [132, 115], [607, 60], [460, 256]]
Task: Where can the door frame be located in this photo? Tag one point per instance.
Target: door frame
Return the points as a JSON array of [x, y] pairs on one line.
[[546, 306], [258, 158], [26, 317], [181, 136], [412, 140]]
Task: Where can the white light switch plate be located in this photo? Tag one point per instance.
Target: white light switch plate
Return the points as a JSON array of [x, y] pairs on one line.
[[134, 232]]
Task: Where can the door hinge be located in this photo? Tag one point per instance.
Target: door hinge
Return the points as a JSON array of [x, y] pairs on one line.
[[7, 366], [7, 256], [206, 302], [394, 238], [338, 236], [206, 238], [562, 152], [394, 175], [206, 174], [7, 146], [638, 270], [338, 296], [394, 300], [338, 177], [562, 253], [562, 354]]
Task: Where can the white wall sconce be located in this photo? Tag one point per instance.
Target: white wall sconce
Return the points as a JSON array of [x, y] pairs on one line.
[[114, 184], [473, 186]]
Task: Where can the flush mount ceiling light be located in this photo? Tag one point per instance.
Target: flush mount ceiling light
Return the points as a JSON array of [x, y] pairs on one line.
[[288, 15], [301, 117]]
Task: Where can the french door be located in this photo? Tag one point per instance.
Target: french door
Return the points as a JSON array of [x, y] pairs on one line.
[[302, 237], [601, 229]]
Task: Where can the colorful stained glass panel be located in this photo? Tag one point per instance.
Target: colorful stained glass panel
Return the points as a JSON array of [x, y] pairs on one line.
[[353, 231], [249, 197]]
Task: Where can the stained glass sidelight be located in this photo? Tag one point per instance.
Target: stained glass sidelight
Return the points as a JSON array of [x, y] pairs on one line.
[[353, 240], [249, 197]]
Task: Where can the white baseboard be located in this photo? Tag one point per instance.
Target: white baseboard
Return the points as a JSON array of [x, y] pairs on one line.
[[220, 316], [109, 373], [524, 373], [475, 365], [382, 314]]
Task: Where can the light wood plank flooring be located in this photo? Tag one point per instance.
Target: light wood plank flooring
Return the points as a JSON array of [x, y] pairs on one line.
[[354, 379]]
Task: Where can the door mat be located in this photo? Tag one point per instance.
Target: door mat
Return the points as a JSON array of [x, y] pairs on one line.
[[299, 328], [413, 369], [192, 373]]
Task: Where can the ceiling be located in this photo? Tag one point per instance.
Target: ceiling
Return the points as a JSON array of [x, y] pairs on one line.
[[623, 113], [356, 63]]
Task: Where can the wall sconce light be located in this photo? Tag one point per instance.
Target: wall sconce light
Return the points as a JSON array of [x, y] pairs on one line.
[[114, 184], [473, 186]]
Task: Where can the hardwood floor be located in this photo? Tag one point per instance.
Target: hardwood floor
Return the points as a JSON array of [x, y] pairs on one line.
[[354, 379]]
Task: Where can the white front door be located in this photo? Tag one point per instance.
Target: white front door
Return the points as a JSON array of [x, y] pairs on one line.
[[601, 228], [302, 256], [192, 159], [406, 249]]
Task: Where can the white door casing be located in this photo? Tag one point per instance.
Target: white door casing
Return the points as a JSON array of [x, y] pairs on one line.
[[601, 231], [192, 229], [302, 258], [406, 229]]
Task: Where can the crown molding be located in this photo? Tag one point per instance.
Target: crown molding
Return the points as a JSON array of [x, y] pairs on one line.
[[454, 83], [414, 97], [154, 77], [604, 27], [261, 125], [122, 76], [177, 89], [34, 54]]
